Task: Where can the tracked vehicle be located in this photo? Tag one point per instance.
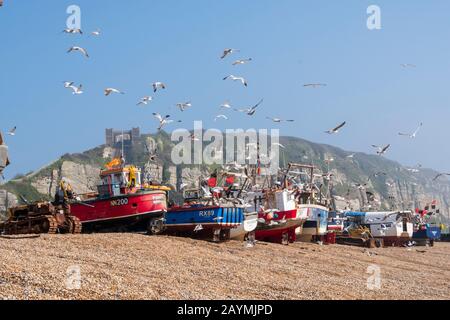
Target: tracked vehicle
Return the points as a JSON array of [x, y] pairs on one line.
[[39, 218]]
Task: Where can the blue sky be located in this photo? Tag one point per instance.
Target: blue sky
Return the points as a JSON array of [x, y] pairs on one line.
[[292, 42]]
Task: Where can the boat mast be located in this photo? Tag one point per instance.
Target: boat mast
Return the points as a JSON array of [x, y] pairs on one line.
[[123, 153]]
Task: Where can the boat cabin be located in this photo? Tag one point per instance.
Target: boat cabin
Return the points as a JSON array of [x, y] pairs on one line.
[[119, 181]]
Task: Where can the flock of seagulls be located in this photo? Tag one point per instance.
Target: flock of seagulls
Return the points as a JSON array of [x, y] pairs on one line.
[[250, 111]]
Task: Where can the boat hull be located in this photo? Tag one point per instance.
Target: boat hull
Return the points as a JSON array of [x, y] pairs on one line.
[[121, 211], [316, 224], [282, 230], [206, 222], [249, 225]]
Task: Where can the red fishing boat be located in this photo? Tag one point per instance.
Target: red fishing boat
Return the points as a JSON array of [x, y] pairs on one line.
[[278, 217], [121, 201]]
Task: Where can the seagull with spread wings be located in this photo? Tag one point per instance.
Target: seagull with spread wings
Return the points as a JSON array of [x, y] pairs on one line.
[[158, 85], [242, 61], [79, 49], [336, 130], [414, 134], [314, 85], [145, 100], [183, 106], [278, 120], [235, 78], [163, 121], [221, 116], [227, 52], [251, 110], [109, 91], [381, 150]]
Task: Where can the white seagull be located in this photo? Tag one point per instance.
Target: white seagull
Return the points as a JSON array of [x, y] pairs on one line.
[[226, 105], [251, 110], [221, 116], [408, 65], [96, 32], [76, 90], [336, 130], [234, 78], [242, 61], [184, 106], [109, 91], [158, 85], [67, 84], [163, 121], [12, 132], [278, 120], [381, 150], [72, 31], [227, 52], [145, 100], [414, 134], [80, 49], [315, 85]]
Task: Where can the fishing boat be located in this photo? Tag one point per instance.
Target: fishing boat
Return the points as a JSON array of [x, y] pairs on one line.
[[121, 201], [316, 225], [278, 217], [247, 229], [202, 216]]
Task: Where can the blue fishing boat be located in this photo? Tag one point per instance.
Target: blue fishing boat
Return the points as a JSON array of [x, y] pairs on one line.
[[203, 221]]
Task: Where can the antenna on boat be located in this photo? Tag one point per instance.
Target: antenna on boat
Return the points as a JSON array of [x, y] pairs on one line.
[[123, 153]]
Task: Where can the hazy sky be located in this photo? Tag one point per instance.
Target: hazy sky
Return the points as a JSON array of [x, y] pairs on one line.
[[179, 42]]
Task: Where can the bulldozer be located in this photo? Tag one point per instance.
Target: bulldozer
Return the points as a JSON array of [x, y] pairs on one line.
[[40, 218], [360, 236]]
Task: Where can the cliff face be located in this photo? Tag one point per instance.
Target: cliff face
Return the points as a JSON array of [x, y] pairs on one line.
[[392, 185]]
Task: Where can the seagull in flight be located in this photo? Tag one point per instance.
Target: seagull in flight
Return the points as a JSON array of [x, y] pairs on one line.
[[145, 100], [12, 132], [163, 120], [440, 175], [234, 78], [158, 85], [184, 106], [242, 61], [408, 65], [250, 111], [221, 116], [381, 150], [72, 31], [109, 91], [278, 120], [76, 90], [227, 52], [80, 49], [96, 32], [414, 134], [351, 156], [315, 85], [225, 105], [336, 130]]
